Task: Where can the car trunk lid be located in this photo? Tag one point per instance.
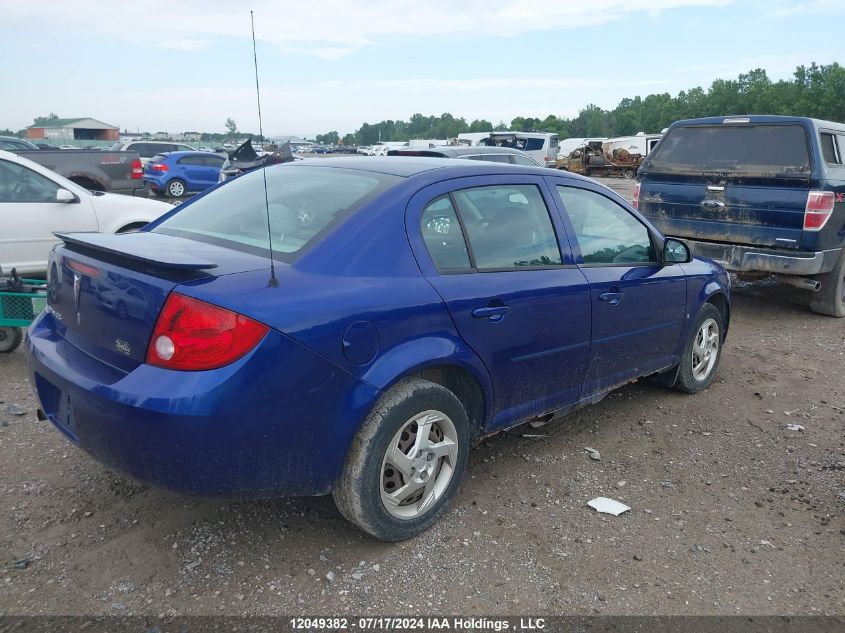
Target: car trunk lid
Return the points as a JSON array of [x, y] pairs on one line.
[[106, 291]]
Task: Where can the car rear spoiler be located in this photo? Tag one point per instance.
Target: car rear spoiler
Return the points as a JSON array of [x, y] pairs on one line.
[[154, 249]]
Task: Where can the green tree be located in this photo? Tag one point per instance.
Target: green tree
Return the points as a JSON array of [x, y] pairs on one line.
[[231, 127], [330, 138], [45, 120]]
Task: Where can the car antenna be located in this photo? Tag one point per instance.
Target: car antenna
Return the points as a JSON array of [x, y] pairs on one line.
[[274, 283]]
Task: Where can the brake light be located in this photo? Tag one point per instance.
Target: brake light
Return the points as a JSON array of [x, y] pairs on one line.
[[818, 210], [160, 167], [137, 169], [635, 201], [193, 335], [83, 269]]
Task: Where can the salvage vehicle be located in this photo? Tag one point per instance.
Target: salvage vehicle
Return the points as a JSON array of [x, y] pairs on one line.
[[495, 154], [35, 203], [590, 159], [762, 195], [354, 325], [176, 174], [245, 159], [96, 170], [540, 146]]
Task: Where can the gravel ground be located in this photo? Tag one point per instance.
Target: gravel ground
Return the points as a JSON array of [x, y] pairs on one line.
[[732, 512]]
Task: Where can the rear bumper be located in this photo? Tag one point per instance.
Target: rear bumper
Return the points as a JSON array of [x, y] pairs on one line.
[[277, 422], [751, 258]]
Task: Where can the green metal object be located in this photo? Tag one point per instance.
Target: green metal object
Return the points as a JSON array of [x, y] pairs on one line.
[[18, 309]]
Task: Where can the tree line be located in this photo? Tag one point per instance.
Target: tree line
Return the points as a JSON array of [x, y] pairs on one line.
[[816, 91]]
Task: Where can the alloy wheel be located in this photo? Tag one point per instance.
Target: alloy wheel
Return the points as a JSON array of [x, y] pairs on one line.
[[705, 349], [418, 464]]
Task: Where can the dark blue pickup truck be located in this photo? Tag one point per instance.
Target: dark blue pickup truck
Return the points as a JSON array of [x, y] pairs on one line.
[[762, 195]]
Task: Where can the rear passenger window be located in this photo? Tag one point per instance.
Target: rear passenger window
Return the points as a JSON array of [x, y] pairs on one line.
[[496, 158], [523, 160], [508, 226], [443, 237], [606, 232], [196, 161], [829, 152]]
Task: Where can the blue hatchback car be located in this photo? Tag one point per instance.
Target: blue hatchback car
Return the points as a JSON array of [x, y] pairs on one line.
[[176, 174], [412, 307]]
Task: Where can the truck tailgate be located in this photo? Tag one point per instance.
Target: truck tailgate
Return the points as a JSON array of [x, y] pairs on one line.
[[726, 210]]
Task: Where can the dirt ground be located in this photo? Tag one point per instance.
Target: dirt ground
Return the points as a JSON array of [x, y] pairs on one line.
[[732, 512]]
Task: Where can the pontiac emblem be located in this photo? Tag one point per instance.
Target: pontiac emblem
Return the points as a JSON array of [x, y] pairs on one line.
[[77, 289]]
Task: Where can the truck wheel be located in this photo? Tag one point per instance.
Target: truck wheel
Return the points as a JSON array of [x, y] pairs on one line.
[[702, 351], [628, 174], [830, 299], [406, 463], [10, 338], [176, 188]]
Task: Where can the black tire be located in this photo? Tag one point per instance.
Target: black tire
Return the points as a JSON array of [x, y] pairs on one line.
[[358, 493], [689, 380], [10, 338], [628, 174], [176, 188], [830, 299]]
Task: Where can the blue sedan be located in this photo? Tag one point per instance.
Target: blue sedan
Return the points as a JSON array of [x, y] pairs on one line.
[[176, 174], [357, 325]]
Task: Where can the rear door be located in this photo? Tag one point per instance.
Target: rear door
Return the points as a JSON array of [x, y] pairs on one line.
[[213, 164], [29, 214], [740, 183], [490, 248], [194, 171], [638, 305]]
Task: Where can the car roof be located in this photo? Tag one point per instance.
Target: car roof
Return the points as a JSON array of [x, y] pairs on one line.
[[185, 152], [408, 166], [455, 151], [759, 118]]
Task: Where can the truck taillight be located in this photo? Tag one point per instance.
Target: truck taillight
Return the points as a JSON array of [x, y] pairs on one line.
[[818, 210], [635, 201], [137, 169], [193, 335]]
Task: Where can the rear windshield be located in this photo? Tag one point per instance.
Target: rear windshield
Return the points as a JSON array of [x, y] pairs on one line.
[[741, 149], [158, 158], [303, 202]]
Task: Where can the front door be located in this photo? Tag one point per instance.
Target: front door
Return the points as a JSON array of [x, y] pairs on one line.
[[638, 304], [490, 248], [30, 214]]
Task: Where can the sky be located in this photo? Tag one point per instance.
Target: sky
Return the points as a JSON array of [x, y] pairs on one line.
[[187, 65]]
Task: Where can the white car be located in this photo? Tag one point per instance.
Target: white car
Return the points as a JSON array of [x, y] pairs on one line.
[[36, 202]]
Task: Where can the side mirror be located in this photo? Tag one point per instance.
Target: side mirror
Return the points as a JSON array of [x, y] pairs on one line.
[[63, 195], [676, 252]]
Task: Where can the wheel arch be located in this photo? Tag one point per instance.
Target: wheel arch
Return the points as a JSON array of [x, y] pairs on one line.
[[443, 361], [721, 303]]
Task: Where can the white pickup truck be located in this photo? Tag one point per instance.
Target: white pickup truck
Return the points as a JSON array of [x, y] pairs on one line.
[[36, 202]]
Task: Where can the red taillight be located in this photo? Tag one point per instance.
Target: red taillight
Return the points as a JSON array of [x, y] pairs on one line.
[[160, 167], [818, 210], [194, 335], [635, 201], [83, 269], [137, 169]]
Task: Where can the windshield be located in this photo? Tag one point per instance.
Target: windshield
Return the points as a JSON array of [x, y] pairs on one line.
[[740, 149], [302, 201]]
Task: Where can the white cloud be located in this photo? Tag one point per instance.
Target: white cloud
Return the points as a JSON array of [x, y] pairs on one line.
[[789, 9], [330, 28]]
